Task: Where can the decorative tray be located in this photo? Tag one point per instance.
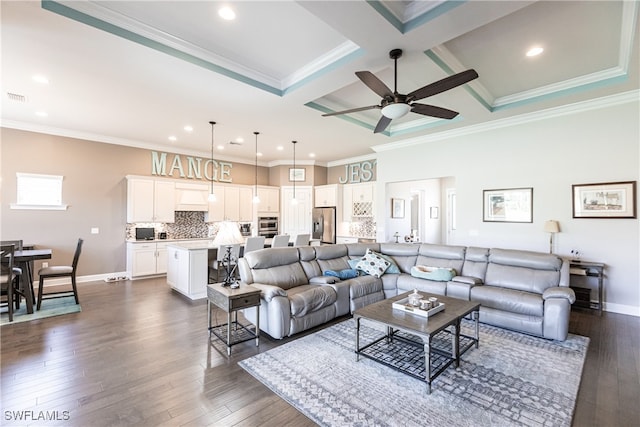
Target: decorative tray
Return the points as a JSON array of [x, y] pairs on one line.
[[403, 305]]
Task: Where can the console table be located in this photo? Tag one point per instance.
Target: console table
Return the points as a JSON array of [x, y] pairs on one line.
[[231, 300], [588, 269]]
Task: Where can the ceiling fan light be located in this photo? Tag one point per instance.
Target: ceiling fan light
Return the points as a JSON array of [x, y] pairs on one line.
[[395, 111]]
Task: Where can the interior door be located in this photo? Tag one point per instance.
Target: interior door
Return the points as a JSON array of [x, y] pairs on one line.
[[296, 218]]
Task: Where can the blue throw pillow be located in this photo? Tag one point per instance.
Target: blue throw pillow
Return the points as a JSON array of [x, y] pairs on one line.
[[342, 274]]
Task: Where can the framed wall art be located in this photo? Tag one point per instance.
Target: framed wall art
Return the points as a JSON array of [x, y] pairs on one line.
[[508, 205], [296, 174], [604, 200], [397, 208]]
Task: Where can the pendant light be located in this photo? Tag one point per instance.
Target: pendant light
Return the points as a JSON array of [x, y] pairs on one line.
[[294, 201], [256, 199], [212, 195]]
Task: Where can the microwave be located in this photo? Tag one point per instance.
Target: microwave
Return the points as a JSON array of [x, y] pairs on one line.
[[144, 233]]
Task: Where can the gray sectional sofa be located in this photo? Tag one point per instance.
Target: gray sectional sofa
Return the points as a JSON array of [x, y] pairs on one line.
[[519, 290]]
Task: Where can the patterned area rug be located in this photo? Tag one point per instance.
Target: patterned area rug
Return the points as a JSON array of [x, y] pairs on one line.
[[511, 379], [50, 308]]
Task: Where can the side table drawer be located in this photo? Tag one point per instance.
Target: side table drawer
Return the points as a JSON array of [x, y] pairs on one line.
[[244, 301]]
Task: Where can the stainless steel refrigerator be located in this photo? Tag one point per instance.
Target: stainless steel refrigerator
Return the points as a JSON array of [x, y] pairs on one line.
[[324, 224]]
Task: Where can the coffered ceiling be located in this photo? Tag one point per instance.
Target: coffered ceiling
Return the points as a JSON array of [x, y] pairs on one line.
[[138, 72]]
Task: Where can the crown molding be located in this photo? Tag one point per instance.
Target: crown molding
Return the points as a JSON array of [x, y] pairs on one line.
[[578, 107]]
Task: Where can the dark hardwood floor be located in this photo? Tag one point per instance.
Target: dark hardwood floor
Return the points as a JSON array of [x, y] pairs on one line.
[[138, 355]]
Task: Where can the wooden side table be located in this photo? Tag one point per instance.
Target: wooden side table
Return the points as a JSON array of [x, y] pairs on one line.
[[232, 300]]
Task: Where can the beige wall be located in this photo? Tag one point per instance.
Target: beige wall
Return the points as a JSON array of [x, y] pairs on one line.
[[94, 187]]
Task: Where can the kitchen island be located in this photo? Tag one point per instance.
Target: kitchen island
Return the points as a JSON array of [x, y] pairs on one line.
[[188, 267]]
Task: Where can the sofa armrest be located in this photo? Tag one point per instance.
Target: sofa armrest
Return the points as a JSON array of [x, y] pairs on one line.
[[468, 280], [268, 292], [559, 292]]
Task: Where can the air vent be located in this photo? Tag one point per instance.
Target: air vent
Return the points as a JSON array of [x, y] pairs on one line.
[[16, 97]]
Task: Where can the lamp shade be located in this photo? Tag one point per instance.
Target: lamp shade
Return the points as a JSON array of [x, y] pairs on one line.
[[228, 234], [552, 226], [396, 110]]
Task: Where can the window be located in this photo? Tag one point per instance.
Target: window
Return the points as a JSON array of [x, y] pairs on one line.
[[35, 191]]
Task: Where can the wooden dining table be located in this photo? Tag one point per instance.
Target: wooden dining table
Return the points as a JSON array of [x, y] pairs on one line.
[[24, 259]]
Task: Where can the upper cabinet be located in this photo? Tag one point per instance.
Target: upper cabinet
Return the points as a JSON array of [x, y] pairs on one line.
[[327, 195], [269, 199], [358, 200], [233, 203], [150, 200]]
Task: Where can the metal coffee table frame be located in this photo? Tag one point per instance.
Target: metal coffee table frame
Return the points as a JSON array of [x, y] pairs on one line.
[[400, 323]]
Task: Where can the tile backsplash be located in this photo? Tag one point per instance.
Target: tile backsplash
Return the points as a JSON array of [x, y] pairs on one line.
[[188, 225], [363, 227]]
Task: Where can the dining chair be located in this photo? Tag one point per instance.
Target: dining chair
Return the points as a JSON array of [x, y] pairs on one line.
[[60, 271], [17, 271], [7, 276], [302, 240], [218, 263], [254, 243], [280, 241]]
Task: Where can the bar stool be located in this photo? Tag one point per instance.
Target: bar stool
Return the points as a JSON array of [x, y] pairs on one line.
[[60, 271]]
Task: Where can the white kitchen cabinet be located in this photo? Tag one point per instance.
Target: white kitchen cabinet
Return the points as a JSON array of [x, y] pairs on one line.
[[146, 258], [269, 200], [150, 200], [362, 192], [233, 203], [245, 202], [358, 200], [345, 239], [327, 195]]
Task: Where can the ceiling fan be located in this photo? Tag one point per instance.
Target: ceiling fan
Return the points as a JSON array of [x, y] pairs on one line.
[[395, 105]]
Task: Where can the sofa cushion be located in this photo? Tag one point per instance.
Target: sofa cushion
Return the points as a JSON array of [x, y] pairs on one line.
[[510, 300], [373, 264], [433, 273], [309, 298]]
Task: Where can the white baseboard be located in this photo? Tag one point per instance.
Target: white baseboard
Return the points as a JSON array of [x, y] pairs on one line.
[[106, 277], [622, 309]]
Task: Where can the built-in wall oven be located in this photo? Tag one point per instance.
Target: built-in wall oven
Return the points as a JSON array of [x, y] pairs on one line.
[[268, 226]]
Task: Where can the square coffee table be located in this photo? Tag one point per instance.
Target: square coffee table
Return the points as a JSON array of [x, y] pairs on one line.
[[403, 327]]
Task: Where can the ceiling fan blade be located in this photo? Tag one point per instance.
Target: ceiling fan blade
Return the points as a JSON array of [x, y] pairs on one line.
[[382, 124], [353, 110], [374, 83], [433, 111], [442, 85]]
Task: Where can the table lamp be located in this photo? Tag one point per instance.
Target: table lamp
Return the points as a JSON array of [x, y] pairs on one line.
[[228, 235], [551, 226]]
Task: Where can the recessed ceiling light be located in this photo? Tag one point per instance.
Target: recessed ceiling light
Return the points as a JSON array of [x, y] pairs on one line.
[[173, 138], [42, 114], [227, 13], [220, 147], [240, 139], [535, 51], [279, 148], [259, 154], [41, 79], [312, 154], [188, 128]]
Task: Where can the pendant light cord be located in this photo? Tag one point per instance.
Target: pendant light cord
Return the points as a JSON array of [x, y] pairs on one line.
[[255, 195], [294, 168], [212, 124]]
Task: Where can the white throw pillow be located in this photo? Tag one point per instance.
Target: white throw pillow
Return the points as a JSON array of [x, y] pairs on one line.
[[373, 264]]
